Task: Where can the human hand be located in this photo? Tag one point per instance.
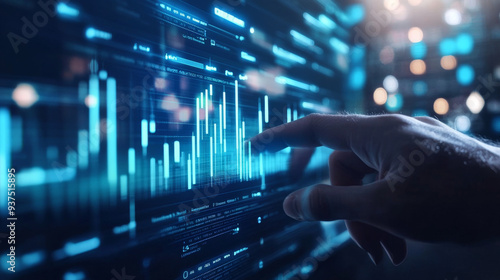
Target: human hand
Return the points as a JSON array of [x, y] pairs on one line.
[[434, 183]]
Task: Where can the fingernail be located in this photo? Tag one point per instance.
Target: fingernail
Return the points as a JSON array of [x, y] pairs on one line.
[[372, 258], [290, 207]]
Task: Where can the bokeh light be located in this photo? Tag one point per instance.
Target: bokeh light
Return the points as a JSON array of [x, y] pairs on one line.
[[25, 95], [453, 17], [394, 102], [465, 75], [475, 102], [387, 55], [420, 88], [357, 78], [441, 106], [414, 2], [170, 103], [464, 43], [448, 62], [391, 5], [418, 50], [380, 96], [415, 35], [418, 67], [462, 123], [447, 46], [391, 84]]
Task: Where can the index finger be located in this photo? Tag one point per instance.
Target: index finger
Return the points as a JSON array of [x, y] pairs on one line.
[[333, 131]]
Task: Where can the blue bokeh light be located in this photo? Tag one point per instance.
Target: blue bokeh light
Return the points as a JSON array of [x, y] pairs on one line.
[[355, 13], [418, 50], [420, 88], [495, 124], [465, 75], [464, 43], [394, 102], [357, 78], [447, 46]]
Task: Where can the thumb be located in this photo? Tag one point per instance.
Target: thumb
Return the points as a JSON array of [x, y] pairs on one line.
[[328, 203]]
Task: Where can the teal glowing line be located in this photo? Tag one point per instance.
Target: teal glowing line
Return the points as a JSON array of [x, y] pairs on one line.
[[112, 137], [131, 161], [211, 157], [94, 138], [5, 157], [266, 109], [152, 181], [250, 159], [206, 111], [198, 127], [177, 151], [166, 161], [144, 133], [72, 249], [193, 157], [123, 187], [224, 107], [189, 172]]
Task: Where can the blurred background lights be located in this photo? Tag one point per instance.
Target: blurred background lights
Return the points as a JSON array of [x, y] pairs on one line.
[[453, 17], [391, 5], [441, 106], [394, 102], [495, 124], [357, 78], [418, 67], [414, 2], [464, 43], [447, 46], [462, 123], [391, 84], [448, 62], [387, 55], [90, 101], [170, 103], [25, 95], [475, 102], [380, 96], [415, 35], [418, 50], [465, 75], [420, 88]]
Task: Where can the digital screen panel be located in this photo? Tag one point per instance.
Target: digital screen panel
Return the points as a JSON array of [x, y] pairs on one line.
[[125, 129]]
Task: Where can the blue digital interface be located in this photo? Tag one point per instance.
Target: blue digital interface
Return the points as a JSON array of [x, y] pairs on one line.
[[127, 125]]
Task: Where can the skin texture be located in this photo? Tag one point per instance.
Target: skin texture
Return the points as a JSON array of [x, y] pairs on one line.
[[433, 184]]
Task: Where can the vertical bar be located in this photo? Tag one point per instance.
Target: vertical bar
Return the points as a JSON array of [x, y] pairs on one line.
[[202, 99], [152, 169], [198, 127], [260, 121], [211, 90], [131, 161], [160, 174], [166, 161], [152, 125], [5, 157], [215, 138], [177, 151], [250, 159], [220, 122], [243, 129], [236, 113], [288, 114], [206, 112], [123, 187], [266, 109], [224, 107], [94, 137], [211, 157], [189, 172], [83, 149], [295, 114], [193, 157], [112, 137], [144, 133], [241, 158]]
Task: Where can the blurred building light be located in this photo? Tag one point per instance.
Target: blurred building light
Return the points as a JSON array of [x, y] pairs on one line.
[[394, 102], [453, 17], [391, 84], [465, 75], [441, 106], [355, 13], [418, 50], [418, 67], [475, 102], [448, 62], [386, 55], [447, 46], [391, 5], [420, 88], [462, 123], [326, 21], [464, 43], [25, 95], [414, 2], [357, 78], [380, 96], [415, 35]]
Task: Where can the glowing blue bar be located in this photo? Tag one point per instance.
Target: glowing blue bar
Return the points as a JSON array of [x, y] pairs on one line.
[[215, 138], [144, 133], [94, 129], [83, 149], [339, 46], [266, 109], [131, 161], [96, 33], [193, 159], [220, 122], [260, 121], [279, 52], [123, 187], [189, 172], [80, 275], [288, 115], [313, 21], [112, 138], [166, 161], [66, 10], [322, 69], [224, 107], [184, 61], [240, 153], [211, 90], [197, 127], [302, 39], [328, 22], [250, 159], [229, 17], [288, 81], [202, 100], [295, 115], [152, 171], [177, 151], [72, 249], [5, 157], [248, 57], [236, 112], [124, 228], [211, 157], [152, 126], [33, 258], [206, 112], [38, 176], [261, 165], [243, 129]]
